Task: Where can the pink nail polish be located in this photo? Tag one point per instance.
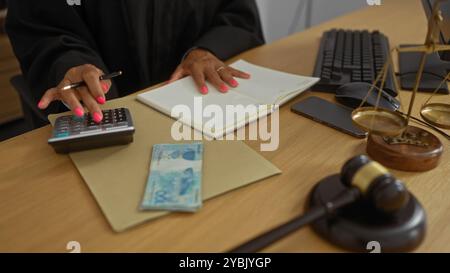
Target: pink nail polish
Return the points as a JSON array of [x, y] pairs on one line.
[[101, 100], [79, 111], [224, 88], [105, 87], [97, 117], [204, 90], [41, 105], [234, 83]]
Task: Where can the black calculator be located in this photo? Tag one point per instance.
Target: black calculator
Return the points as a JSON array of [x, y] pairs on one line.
[[72, 133]]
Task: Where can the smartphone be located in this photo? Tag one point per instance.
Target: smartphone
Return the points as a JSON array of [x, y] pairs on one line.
[[330, 114]]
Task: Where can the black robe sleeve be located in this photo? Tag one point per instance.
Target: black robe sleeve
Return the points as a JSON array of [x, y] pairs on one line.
[[49, 38], [236, 28]]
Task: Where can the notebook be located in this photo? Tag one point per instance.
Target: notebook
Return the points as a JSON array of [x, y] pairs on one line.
[[266, 87]]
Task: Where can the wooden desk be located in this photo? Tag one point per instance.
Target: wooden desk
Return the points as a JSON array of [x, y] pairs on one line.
[[44, 203]]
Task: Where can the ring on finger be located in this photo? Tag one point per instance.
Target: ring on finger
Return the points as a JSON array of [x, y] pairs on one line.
[[220, 68]]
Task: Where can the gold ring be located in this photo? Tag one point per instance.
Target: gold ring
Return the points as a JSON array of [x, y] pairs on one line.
[[220, 68]]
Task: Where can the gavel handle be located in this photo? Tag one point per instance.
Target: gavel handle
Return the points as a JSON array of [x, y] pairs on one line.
[[276, 234], [311, 216]]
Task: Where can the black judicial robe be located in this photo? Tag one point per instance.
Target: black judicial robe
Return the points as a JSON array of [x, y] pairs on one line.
[[145, 38]]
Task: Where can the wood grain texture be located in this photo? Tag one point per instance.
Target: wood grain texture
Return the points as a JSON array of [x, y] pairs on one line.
[[44, 203]]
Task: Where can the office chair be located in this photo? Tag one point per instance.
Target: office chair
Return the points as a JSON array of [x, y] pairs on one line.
[[33, 116]]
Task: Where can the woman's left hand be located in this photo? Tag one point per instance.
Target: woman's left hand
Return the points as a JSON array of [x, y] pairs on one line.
[[203, 66]]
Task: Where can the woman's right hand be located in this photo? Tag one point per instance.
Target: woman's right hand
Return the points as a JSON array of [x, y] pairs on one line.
[[91, 95]]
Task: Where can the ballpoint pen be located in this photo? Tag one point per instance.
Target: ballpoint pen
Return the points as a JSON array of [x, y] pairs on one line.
[[104, 77]]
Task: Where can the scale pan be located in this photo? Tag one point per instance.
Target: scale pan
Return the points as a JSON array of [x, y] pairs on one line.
[[379, 121], [437, 114]]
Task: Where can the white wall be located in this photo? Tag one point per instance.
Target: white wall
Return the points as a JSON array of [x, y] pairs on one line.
[[279, 16]]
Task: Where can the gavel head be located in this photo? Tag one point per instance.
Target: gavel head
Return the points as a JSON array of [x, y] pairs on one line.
[[375, 183]]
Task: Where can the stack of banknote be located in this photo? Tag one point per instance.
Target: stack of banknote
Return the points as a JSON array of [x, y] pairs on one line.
[[175, 179]]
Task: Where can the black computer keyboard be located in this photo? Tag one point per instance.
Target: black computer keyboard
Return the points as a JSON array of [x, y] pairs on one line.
[[352, 56]]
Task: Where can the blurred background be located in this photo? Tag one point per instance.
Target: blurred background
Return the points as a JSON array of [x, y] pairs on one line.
[[280, 18]]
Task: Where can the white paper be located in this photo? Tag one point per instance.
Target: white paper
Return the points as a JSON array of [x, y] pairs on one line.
[[265, 87]]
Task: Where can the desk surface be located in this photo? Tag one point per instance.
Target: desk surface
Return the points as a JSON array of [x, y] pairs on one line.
[[44, 203]]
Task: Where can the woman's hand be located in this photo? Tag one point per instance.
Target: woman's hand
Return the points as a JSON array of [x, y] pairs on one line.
[[91, 95], [203, 66]]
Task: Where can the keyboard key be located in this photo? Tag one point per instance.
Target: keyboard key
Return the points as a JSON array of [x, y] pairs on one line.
[[336, 76], [92, 128], [122, 123], [60, 135]]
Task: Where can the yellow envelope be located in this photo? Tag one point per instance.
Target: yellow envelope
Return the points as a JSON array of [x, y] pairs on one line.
[[117, 175]]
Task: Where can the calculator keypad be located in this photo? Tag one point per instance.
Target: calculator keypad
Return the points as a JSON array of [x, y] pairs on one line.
[[71, 125]]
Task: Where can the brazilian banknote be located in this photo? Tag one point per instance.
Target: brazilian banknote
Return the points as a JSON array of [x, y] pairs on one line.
[[175, 179]]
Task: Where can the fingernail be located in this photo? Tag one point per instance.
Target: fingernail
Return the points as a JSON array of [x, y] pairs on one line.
[[248, 76], [41, 105], [105, 87], [224, 88], [204, 90], [234, 83], [101, 100], [79, 111], [97, 117]]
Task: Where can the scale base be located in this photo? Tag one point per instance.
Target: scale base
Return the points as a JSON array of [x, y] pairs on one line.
[[416, 151], [356, 225]]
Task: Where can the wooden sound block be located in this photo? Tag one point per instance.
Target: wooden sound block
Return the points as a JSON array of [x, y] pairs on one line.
[[355, 226], [416, 150]]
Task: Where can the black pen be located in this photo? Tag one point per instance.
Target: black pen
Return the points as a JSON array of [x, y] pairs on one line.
[[102, 78]]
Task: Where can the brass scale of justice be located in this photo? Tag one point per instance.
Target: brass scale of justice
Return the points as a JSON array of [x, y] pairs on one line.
[[392, 141]]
